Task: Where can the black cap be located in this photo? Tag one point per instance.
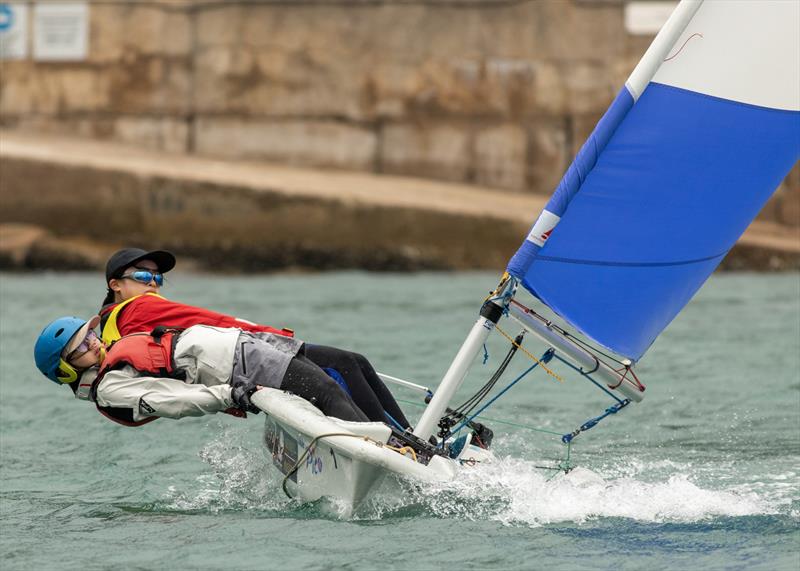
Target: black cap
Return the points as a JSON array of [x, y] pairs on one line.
[[129, 256]]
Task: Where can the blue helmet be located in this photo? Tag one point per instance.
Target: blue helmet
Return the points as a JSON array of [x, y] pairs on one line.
[[49, 346]]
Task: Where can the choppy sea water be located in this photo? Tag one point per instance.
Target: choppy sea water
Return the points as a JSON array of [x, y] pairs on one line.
[[703, 474]]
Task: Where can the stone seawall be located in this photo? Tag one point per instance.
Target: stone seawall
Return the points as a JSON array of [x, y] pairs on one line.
[[251, 216], [496, 93], [67, 202], [490, 92]]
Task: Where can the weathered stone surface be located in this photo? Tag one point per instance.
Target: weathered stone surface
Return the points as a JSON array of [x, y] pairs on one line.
[[323, 63], [748, 257], [30, 247], [438, 151], [238, 216], [51, 89], [164, 133], [16, 241], [500, 157], [482, 91], [150, 84], [548, 155], [256, 217], [146, 28], [319, 143], [789, 211]]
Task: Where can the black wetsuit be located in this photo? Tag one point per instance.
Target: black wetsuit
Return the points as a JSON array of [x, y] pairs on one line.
[[367, 389]]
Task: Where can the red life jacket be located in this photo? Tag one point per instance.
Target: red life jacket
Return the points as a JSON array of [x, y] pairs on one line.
[[143, 312], [148, 353]]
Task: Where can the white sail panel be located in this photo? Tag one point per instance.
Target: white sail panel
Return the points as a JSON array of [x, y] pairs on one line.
[[673, 173], [741, 50]]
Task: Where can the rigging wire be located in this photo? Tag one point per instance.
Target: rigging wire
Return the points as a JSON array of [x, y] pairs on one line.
[[556, 327], [530, 355], [545, 358], [475, 399]]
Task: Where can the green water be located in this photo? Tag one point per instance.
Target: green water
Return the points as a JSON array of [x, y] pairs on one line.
[[703, 474]]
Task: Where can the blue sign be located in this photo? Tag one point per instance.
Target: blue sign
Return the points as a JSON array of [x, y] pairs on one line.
[[6, 17]]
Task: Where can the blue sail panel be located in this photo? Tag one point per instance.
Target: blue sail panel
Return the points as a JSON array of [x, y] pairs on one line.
[[679, 180], [572, 180]]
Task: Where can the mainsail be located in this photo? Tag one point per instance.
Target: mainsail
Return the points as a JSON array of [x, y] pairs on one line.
[[702, 134]]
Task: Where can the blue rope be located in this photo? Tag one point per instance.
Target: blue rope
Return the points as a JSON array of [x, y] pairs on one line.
[[485, 354], [393, 421], [613, 409], [544, 359], [588, 376]]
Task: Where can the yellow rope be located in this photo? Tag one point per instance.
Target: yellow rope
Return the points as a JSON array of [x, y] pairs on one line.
[[535, 359], [499, 287], [403, 451], [503, 281]]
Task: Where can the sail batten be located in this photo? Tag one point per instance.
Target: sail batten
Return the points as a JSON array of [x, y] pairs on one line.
[[670, 178]]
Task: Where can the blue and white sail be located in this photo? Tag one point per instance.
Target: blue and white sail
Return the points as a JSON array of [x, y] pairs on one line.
[[704, 131]]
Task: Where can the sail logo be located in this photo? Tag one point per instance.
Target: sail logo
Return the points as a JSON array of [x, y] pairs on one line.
[[543, 228]]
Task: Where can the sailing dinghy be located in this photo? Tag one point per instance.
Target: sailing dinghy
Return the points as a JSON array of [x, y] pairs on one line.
[[703, 132]]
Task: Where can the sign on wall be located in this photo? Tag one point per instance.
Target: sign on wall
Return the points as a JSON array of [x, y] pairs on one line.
[[13, 30], [60, 31], [646, 18]]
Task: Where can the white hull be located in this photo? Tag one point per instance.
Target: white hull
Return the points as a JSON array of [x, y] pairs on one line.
[[345, 467]]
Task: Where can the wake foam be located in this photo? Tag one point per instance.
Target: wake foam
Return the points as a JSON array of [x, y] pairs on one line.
[[242, 478], [508, 490], [515, 492]]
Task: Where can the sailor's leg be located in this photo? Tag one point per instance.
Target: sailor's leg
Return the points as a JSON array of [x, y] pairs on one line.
[[380, 389], [305, 379], [367, 389]]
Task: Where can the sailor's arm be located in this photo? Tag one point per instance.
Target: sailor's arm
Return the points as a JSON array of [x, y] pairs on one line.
[[157, 396]]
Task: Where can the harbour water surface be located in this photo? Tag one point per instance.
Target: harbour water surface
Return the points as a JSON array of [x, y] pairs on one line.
[[703, 473]]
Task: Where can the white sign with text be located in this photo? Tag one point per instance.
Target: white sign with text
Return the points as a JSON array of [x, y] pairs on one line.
[[60, 31]]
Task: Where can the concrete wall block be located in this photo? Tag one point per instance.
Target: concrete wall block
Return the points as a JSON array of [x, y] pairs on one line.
[[18, 85], [155, 30], [366, 63], [385, 90], [789, 213], [76, 126], [438, 151], [580, 127], [52, 89], [150, 84], [500, 87], [548, 155], [319, 143], [162, 133], [220, 25], [549, 90], [578, 31], [771, 210], [455, 88], [159, 133], [141, 85], [239, 79], [81, 196], [589, 88], [509, 88], [500, 157]]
